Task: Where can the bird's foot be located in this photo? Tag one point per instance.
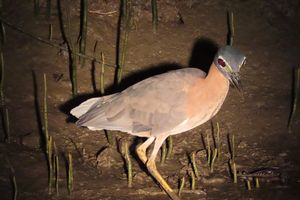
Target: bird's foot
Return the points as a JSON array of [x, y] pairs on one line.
[[151, 166]]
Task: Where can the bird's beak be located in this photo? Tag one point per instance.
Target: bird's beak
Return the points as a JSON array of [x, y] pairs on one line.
[[235, 80]]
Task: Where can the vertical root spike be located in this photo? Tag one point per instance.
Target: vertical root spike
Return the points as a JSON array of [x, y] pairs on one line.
[[193, 160], [102, 74], [248, 183], [170, 147], [234, 172], [213, 160], [257, 183], [154, 15], [15, 187], [193, 180], [163, 153], [182, 182], [70, 173], [126, 155]]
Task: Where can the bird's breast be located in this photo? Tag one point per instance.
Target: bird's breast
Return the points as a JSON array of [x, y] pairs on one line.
[[205, 99], [201, 106]]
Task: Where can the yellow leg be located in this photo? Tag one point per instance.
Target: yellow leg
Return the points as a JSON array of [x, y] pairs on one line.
[[151, 166], [141, 150], [154, 172]]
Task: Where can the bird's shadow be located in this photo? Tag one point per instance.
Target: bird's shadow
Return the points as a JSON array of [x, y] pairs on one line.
[[203, 53]]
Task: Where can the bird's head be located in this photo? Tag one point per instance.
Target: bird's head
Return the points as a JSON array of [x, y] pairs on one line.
[[229, 61]]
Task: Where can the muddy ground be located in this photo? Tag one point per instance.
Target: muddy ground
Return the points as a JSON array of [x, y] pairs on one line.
[[188, 35]]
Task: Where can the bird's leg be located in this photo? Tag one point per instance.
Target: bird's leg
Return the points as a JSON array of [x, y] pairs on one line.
[[151, 166], [141, 150]]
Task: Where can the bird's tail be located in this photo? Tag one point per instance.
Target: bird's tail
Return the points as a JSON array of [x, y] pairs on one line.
[[84, 107]]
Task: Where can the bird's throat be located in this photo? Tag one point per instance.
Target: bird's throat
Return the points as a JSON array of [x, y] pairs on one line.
[[214, 76]]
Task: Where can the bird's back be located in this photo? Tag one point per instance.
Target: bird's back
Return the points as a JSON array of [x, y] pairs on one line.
[[156, 105]]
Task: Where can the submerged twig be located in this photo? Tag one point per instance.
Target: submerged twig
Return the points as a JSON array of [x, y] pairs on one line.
[[230, 27], [49, 9], [50, 167], [45, 126], [208, 150], [56, 167], [4, 109], [231, 141], [3, 33], [74, 71], [83, 30], [36, 7], [154, 16], [15, 187], [13, 178], [125, 21], [218, 147], [2, 78], [295, 98], [50, 32], [56, 173], [14, 182], [6, 125], [110, 137], [71, 47]]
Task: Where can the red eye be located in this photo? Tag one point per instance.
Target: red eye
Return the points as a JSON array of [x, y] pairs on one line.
[[221, 62]]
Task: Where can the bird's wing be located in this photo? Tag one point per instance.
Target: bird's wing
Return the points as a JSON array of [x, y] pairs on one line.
[[156, 104], [88, 104]]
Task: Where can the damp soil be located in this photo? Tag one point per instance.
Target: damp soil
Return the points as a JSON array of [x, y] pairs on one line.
[[188, 35]]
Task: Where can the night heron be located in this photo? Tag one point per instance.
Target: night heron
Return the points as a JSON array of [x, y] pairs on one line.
[[164, 105]]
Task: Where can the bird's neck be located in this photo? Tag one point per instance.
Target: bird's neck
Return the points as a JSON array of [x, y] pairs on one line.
[[216, 77], [206, 96]]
